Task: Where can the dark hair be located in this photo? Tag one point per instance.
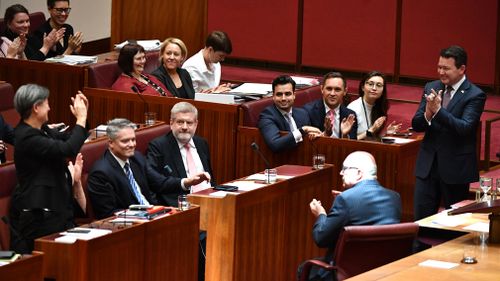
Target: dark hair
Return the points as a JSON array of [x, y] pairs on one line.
[[381, 105], [456, 52], [52, 3], [333, 75], [10, 13], [126, 57], [219, 41], [283, 80]]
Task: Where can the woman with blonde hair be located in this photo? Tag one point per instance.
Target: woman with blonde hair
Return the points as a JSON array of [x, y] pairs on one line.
[[173, 53]]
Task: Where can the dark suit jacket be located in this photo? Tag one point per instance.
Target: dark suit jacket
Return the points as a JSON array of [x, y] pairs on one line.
[[366, 203], [6, 134], [59, 48], [43, 179], [187, 83], [271, 122], [109, 188], [165, 160], [317, 114], [451, 138]]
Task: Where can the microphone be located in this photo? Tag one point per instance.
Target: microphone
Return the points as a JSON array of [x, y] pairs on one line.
[[256, 148], [136, 90]]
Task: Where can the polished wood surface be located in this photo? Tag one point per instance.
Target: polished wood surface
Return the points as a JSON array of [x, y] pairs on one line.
[[487, 266], [454, 223], [158, 19], [63, 82], [263, 234], [28, 268], [396, 163], [216, 122], [131, 252]]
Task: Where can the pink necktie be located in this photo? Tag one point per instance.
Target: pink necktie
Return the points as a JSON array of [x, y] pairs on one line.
[[192, 168], [331, 114]]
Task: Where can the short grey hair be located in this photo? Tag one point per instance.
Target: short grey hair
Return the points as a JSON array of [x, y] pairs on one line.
[[118, 124], [27, 96], [183, 107]]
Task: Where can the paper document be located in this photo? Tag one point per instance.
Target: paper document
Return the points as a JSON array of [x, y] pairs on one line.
[[252, 89], [73, 59], [305, 80], [221, 193], [247, 185], [451, 221], [479, 226], [438, 264], [92, 233], [262, 177], [148, 45]]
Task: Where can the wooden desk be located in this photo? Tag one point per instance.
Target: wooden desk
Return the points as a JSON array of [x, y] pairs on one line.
[[396, 163], [487, 268], [460, 221], [216, 122], [167, 246], [263, 234], [28, 268]]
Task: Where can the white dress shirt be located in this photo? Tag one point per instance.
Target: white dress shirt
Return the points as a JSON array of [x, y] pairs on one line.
[[203, 78]]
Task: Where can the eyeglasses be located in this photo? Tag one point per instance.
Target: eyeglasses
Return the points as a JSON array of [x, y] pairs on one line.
[[59, 11], [371, 84], [348, 168]]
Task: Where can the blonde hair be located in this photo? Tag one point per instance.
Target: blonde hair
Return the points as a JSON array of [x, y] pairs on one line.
[[176, 41]]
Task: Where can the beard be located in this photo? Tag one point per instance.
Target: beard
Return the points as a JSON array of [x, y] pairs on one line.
[[183, 137]]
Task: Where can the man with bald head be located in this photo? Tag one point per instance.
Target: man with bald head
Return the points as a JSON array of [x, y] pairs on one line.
[[364, 202]]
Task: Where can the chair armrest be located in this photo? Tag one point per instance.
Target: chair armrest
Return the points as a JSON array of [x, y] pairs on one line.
[[306, 269]]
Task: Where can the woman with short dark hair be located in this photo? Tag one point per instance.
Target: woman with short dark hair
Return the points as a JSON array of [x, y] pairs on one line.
[[131, 61]]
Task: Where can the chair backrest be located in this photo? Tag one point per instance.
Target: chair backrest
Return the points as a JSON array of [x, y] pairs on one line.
[[103, 75], [361, 248], [8, 179], [6, 96]]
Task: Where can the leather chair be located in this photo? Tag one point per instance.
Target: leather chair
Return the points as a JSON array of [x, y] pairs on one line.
[[103, 75], [8, 179], [362, 248]]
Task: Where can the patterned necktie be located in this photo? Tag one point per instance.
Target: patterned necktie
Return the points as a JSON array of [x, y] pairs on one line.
[[289, 119], [447, 96], [331, 115], [133, 186]]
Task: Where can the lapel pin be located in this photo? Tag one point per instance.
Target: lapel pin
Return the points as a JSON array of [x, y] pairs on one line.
[[462, 91]]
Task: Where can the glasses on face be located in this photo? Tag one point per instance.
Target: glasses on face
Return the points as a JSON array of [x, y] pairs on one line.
[[59, 11], [371, 84], [348, 168]]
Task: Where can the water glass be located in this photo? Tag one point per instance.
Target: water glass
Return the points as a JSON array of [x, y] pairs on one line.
[[149, 118], [318, 161], [271, 175], [469, 256], [183, 202], [485, 184]]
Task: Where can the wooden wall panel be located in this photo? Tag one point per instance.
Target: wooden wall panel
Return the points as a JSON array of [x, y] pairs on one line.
[[159, 19], [356, 35], [259, 29], [429, 26]]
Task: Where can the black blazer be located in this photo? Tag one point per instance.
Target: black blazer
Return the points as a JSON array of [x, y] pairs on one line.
[[317, 113], [6, 134], [272, 121], [109, 188], [165, 160], [187, 83], [451, 137], [59, 48]]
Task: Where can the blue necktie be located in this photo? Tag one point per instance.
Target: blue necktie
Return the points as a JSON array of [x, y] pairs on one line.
[[133, 185]]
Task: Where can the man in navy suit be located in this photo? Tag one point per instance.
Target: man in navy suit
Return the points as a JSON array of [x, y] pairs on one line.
[[282, 116], [168, 158], [330, 114], [449, 114], [120, 177], [365, 202]]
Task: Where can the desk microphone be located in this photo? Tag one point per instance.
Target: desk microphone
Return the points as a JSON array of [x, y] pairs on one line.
[[256, 148], [136, 90]]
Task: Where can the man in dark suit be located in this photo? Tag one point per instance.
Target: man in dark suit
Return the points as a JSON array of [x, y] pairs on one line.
[[169, 157], [365, 202], [449, 114], [282, 117], [6, 136], [330, 114], [120, 178]]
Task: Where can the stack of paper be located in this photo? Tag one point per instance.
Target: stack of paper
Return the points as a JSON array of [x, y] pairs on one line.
[[73, 59], [148, 45]]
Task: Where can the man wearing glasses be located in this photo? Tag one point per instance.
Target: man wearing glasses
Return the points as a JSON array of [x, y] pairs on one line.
[[70, 43], [329, 114], [365, 202]]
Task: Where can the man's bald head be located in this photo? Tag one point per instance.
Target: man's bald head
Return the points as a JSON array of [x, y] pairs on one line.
[[358, 166]]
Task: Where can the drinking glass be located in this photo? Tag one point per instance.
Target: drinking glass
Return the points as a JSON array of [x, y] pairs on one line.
[[485, 184]]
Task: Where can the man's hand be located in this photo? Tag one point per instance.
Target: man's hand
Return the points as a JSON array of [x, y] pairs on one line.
[[316, 208], [328, 126], [196, 179], [433, 103]]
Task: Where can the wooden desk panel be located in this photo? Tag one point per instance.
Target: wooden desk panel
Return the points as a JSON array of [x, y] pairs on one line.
[[63, 82], [216, 122], [263, 234], [25, 269], [396, 163], [146, 251], [487, 268]]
